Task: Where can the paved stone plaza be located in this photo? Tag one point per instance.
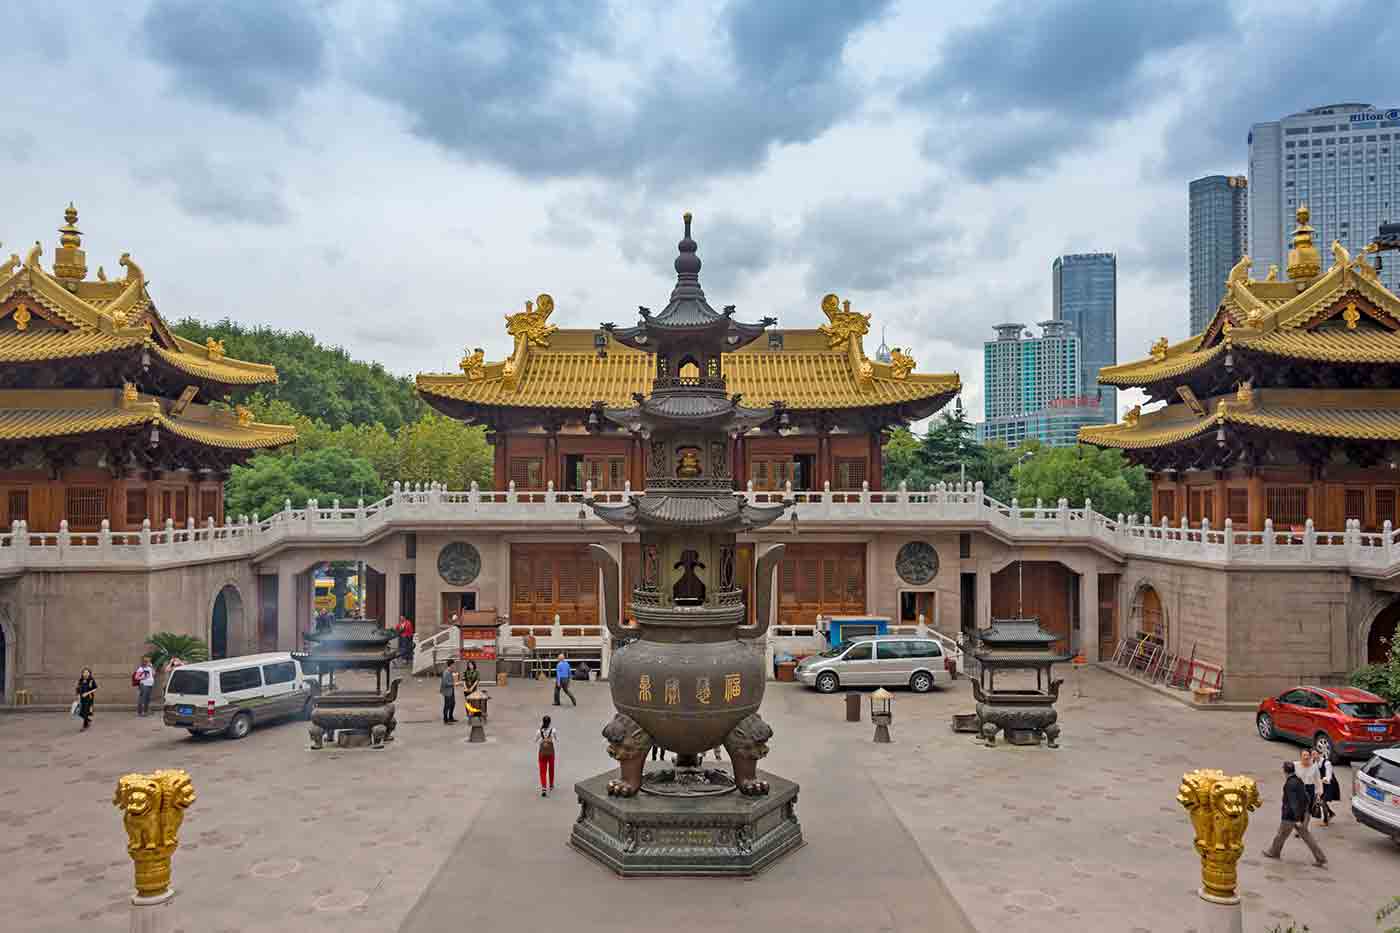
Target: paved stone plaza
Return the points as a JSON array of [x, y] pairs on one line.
[[435, 834]]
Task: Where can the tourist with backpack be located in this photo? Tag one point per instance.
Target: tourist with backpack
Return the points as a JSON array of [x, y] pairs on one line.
[[547, 738]]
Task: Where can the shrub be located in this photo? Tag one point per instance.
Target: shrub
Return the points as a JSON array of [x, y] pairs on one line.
[[166, 645]]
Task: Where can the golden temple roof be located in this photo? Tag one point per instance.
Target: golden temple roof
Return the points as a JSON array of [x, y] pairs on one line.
[[1340, 414], [60, 314], [32, 414], [1344, 315], [816, 369]]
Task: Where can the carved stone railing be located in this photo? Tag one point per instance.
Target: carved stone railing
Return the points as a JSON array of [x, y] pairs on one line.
[[943, 507]]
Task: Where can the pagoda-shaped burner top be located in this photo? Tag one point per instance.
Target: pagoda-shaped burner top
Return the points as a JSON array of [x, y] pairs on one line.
[[1024, 715]]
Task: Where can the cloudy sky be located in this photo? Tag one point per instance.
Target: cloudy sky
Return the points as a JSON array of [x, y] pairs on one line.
[[394, 177]]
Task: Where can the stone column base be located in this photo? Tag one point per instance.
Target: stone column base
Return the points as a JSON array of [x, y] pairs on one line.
[[1220, 914], [153, 914]]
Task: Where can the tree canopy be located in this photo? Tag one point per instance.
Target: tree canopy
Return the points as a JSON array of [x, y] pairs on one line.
[[321, 382], [950, 452], [266, 483]]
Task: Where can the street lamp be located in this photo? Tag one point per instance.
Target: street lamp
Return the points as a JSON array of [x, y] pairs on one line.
[[882, 714]]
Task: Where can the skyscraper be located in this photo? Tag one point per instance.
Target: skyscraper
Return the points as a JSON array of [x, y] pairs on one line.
[[1341, 161], [1086, 298], [1219, 226], [1032, 387]]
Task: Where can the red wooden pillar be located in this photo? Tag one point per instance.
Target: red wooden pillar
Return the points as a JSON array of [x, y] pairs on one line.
[[500, 467], [877, 460]]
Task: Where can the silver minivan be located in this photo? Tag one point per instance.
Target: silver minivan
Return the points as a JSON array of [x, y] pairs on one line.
[[885, 660], [230, 695]]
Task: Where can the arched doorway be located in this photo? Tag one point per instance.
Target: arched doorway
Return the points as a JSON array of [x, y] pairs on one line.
[[1151, 619], [226, 617], [1382, 634]]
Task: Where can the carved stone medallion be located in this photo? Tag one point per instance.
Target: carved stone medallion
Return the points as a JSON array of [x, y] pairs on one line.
[[917, 563], [459, 563]]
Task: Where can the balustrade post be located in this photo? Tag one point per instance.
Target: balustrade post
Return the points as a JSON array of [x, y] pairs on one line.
[[397, 488], [1310, 540], [1268, 538], [748, 490], [557, 628], [550, 497], [21, 534], [1387, 544], [1039, 506], [1062, 506], [865, 495], [904, 493], [434, 496], [510, 491], [64, 538], [1229, 540], [1353, 540], [980, 492], [474, 495], [1088, 515], [104, 539], [826, 497], [335, 507], [1015, 511]]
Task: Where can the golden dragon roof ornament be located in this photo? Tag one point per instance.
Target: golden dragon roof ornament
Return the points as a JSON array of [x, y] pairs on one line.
[[532, 325], [901, 363], [844, 323], [473, 363]]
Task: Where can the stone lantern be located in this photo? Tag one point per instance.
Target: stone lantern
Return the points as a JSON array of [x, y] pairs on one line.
[[882, 714]]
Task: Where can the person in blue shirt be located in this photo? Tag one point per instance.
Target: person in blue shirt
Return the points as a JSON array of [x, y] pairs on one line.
[[562, 674]]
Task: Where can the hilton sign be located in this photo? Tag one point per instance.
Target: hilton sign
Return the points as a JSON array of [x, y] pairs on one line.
[[1374, 116]]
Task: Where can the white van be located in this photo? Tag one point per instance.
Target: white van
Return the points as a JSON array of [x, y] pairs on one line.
[[230, 695]]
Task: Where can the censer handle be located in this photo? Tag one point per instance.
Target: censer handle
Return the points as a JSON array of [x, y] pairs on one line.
[[763, 592], [611, 605]]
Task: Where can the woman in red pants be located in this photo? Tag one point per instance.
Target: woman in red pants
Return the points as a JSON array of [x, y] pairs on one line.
[[546, 739]]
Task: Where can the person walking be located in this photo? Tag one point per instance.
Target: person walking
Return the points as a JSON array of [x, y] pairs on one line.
[[547, 739], [1308, 773], [1331, 790], [1295, 808], [562, 674], [87, 693], [144, 679], [448, 689]]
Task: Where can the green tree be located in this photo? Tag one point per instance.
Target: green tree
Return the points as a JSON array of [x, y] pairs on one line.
[[439, 448], [1382, 679], [321, 382], [902, 461], [330, 473], [949, 447], [1080, 472]]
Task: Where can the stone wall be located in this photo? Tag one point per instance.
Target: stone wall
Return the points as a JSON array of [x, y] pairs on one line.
[[63, 622]]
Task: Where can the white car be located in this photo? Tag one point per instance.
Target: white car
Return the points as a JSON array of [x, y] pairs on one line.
[[889, 660], [1375, 793]]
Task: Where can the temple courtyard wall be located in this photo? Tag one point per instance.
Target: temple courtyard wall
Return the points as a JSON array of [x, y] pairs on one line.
[[1270, 616]]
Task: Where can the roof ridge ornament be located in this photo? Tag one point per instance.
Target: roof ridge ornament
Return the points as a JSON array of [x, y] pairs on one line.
[[530, 328], [70, 262], [1239, 272], [1304, 262]]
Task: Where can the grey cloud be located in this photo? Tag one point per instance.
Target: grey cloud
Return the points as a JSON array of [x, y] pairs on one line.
[[1344, 52], [221, 192], [251, 56], [1032, 81], [871, 244], [493, 84]]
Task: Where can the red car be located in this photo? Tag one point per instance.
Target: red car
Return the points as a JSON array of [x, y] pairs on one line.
[[1339, 722]]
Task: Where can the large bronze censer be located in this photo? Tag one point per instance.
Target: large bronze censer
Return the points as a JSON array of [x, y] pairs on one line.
[[691, 674]]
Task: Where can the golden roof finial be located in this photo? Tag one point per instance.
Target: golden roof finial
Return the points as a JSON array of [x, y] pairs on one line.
[[1159, 349], [1304, 262], [69, 261]]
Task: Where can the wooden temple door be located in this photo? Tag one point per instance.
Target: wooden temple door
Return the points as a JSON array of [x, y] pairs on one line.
[[820, 579], [550, 580]]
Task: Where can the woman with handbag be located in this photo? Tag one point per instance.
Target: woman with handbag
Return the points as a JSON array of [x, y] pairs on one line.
[[547, 738], [1331, 790], [86, 690]]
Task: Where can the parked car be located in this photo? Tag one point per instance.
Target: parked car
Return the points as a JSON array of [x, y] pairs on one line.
[[883, 659], [231, 695], [1375, 793], [1339, 722]]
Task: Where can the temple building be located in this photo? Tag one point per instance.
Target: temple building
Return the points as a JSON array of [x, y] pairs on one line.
[[543, 408], [1284, 408], [105, 414]]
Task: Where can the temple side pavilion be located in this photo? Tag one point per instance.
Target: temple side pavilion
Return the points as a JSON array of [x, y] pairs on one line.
[[105, 414], [1284, 408]]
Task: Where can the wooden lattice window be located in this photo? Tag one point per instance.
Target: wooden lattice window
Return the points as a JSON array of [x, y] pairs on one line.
[[85, 506], [1166, 504], [527, 472], [1237, 506], [850, 472], [1355, 504], [1287, 506], [770, 473], [208, 504], [1201, 505], [135, 507], [1385, 507], [182, 506], [17, 504]]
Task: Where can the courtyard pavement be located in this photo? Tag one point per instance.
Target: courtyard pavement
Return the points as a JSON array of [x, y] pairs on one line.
[[932, 832]]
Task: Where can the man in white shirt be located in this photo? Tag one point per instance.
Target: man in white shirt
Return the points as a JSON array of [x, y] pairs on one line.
[[1307, 769], [145, 678]]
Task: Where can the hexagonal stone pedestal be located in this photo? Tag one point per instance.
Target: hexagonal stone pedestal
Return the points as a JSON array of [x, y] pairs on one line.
[[652, 835]]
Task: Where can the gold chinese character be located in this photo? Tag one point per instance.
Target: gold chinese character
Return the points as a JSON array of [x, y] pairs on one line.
[[644, 689], [673, 691], [702, 690], [732, 687]]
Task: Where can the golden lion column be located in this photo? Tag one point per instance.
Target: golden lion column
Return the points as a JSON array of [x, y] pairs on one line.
[[153, 807], [1219, 809]]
